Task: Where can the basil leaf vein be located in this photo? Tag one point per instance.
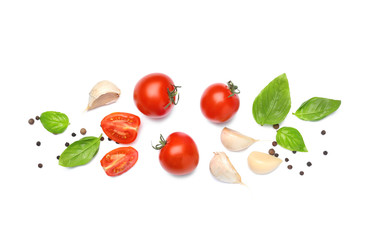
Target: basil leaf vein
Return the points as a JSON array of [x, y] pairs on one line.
[[80, 152], [291, 139], [54, 122], [317, 108], [273, 103]]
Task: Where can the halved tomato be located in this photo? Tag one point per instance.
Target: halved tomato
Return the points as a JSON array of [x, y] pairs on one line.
[[119, 160], [121, 127]]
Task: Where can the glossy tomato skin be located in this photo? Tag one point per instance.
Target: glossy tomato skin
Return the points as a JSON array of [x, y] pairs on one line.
[[121, 127], [119, 160], [151, 95], [217, 105], [180, 155]]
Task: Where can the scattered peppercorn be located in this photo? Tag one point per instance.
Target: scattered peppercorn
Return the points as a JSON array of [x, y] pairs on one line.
[[271, 151], [301, 173], [274, 143], [109, 139], [289, 167], [276, 155], [31, 121], [67, 144], [276, 126], [102, 139], [38, 143], [40, 165], [309, 164], [323, 132], [37, 117], [294, 152], [117, 142], [83, 131], [73, 134], [58, 157], [325, 152], [286, 159]]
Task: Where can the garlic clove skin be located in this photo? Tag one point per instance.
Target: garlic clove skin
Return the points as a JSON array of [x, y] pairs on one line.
[[222, 169], [235, 141], [263, 163], [103, 93]]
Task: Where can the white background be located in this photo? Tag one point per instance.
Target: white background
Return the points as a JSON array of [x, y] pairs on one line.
[[53, 52]]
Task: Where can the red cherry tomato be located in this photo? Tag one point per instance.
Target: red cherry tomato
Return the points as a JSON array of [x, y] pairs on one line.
[[179, 154], [121, 127], [220, 102], [155, 95], [119, 160]]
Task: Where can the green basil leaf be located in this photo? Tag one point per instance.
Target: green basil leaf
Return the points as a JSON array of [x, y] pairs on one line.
[[54, 122], [291, 139], [80, 152], [273, 103], [317, 108]]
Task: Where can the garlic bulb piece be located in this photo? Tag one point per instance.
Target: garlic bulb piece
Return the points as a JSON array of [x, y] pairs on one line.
[[222, 169], [235, 141], [103, 93], [263, 163]]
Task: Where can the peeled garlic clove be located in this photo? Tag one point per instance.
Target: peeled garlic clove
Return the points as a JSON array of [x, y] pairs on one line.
[[222, 169], [263, 163], [235, 141], [103, 93]]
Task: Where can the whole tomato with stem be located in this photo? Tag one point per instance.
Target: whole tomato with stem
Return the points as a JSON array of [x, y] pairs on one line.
[[178, 153], [220, 102], [155, 95]]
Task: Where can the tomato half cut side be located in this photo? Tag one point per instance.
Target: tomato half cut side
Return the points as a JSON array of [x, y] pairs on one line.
[[121, 127], [119, 160]]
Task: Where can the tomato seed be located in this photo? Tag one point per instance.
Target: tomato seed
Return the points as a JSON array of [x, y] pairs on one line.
[[274, 143], [40, 165], [38, 143], [31, 121]]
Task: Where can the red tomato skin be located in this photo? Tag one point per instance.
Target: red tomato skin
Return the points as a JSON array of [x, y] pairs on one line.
[[151, 96], [216, 105], [180, 155], [124, 123]]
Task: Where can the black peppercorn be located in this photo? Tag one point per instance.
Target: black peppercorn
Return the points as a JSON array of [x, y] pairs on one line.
[[276, 155], [37, 117], [323, 132], [274, 143], [294, 152], [276, 126], [286, 159], [40, 165], [31, 121], [73, 134], [309, 164], [109, 139], [38, 143], [301, 173], [289, 167], [102, 139], [67, 144], [271, 151], [58, 157], [325, 152]]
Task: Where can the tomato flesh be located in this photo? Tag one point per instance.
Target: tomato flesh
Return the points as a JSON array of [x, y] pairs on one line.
[[217, 105], [180, 155], [119, 160], [151, 95], [121, 127]]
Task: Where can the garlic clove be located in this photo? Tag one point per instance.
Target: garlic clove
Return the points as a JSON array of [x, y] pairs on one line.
[[235, 141], [222, 169], [103, 93], [263, 163]]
